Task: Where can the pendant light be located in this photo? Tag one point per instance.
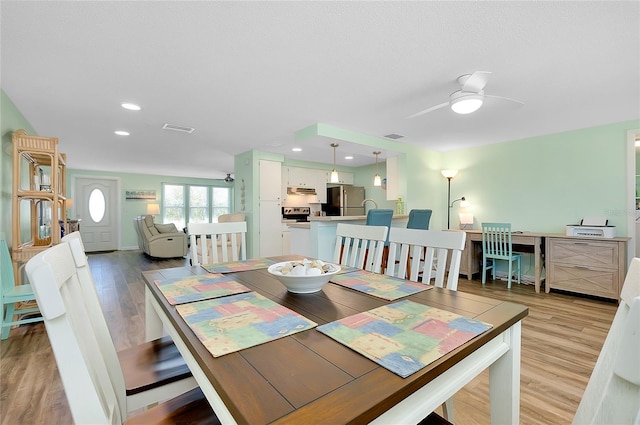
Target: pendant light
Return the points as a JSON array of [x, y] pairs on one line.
[[377, 181], [334, 173]]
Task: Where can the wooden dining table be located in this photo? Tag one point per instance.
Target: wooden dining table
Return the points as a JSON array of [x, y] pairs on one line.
[[308, 377]]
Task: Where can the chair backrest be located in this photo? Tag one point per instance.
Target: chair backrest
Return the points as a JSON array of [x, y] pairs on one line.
[[419, 219], [360, 246], [230, 242], [496, 240], [7, 279], [97, 317], [612, 395], [88, 387], [437, 245], [379, 217]]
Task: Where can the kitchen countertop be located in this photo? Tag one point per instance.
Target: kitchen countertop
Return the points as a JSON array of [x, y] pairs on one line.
[[348, 217]]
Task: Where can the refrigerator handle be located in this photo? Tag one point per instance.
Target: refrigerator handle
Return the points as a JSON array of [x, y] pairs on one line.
[[346, 203]]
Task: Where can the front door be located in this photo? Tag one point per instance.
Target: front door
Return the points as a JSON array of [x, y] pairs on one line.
[[96, 201]]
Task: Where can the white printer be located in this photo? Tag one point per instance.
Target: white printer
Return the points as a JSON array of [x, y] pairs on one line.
[[592, 227]]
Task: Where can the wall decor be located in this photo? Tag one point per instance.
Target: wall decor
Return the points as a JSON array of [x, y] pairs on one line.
[[140, 194]]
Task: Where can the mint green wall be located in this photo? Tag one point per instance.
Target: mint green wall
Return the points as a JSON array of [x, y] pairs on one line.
[[11, 119], [132, 208], [544, 183]]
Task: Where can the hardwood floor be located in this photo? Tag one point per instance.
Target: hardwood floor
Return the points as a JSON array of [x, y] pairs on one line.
[[561, 340]]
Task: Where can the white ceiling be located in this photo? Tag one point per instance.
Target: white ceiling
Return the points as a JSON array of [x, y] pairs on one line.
[[248, 75]]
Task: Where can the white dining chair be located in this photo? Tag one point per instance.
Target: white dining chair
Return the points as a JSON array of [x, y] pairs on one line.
[[360, 246], [433, 248], [93, 396], [230, 235], [150, 372], [408, 246], [612, 395]]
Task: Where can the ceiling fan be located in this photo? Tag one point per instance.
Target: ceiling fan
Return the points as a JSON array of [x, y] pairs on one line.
[[470, 97], [228, 179]]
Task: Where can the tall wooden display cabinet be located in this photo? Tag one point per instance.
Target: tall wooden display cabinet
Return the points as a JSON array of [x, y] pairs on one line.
[[39, 200]]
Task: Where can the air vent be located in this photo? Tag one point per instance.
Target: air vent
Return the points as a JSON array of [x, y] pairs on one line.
[[394, 136], [178, 128]]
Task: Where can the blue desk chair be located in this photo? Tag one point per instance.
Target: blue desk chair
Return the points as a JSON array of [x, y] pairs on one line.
[[381, 217], [496, 245], [10, 294], [419, 219]]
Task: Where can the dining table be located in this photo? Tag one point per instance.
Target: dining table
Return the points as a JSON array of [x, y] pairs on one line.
[[308, 377]]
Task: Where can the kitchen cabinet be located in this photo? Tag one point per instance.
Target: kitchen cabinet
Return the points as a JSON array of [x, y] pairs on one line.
[[301, 177], [343, 177], [592, 266], [39, 204], [270, 233], [286, 239]]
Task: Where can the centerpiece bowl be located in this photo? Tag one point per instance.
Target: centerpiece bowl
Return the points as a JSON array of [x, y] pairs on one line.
[[303, 276]]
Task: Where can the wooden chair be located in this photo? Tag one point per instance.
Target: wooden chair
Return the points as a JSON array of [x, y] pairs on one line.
[[612, 395], [231, 235], [381, 217], [149, 372], [10, 295], [496, 245], [360, 246], [94, 398], [438, 245]]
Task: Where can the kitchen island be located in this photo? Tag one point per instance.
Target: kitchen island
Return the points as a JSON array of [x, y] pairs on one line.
[[322, 232]]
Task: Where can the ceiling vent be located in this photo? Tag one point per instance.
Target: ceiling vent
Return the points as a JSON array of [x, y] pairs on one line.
[[394, 136], [179, 128]]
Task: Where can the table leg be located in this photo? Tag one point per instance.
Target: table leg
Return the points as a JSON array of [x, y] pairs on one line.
[[153, 323], [537, 252], [504, 382]]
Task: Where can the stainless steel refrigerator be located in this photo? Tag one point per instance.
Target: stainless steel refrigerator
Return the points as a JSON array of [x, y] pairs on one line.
[[345, 201]]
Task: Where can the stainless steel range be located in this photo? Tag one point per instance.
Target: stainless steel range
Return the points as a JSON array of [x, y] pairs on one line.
[[295, 213]]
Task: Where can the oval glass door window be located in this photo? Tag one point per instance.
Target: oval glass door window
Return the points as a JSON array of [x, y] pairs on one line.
[[97, 205]]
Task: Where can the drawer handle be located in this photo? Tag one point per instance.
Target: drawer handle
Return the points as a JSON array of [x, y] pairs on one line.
[[581, 267], [581, 243]]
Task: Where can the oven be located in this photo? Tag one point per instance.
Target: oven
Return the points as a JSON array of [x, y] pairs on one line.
[[295, 213]]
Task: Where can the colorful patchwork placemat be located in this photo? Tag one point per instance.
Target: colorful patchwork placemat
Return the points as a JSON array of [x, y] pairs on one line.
[[195, 288], [405, 336], [239, 266], [379, 285], [229, 324]]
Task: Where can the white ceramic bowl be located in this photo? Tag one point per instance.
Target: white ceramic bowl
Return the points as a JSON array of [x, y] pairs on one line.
[[303, 283]]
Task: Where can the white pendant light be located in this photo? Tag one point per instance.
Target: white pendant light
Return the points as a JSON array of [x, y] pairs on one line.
[[334, 173], [377, 181]]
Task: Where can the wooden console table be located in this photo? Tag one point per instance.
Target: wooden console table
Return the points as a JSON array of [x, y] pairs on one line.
[[472, 255]]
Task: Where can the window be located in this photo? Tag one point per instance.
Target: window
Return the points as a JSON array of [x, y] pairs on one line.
[[183, 203]]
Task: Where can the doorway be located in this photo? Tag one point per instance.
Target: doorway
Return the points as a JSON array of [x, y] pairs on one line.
[[96, 204]]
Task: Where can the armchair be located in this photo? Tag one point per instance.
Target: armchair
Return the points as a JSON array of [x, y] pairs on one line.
[[159, 240]]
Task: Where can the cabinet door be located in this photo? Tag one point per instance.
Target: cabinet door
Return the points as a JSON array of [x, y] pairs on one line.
[[270, 180], [270, 228]]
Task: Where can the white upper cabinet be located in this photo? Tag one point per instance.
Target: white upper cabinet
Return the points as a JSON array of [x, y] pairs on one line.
[[343, 177], [270, 180]]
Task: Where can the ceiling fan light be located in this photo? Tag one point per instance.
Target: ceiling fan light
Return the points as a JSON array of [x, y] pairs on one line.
[[465, 102]]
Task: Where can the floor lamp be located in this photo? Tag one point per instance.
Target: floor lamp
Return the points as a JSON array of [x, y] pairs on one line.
[[449, 174]]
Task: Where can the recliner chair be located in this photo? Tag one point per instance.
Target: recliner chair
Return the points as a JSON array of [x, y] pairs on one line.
[[159, 240]]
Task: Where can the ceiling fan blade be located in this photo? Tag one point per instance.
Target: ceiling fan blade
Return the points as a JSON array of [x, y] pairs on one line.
[[426, 111], [504, 98], [476, 81]]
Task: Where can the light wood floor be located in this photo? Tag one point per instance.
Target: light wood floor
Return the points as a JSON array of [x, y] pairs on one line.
[[561, 340]]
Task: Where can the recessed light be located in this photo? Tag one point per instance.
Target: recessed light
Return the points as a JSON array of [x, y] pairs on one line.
[[131, 106], [348, 157], [296, 149], [121, 133]]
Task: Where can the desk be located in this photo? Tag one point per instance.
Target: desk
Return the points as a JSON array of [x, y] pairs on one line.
[[471, 264], [310, 378]]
